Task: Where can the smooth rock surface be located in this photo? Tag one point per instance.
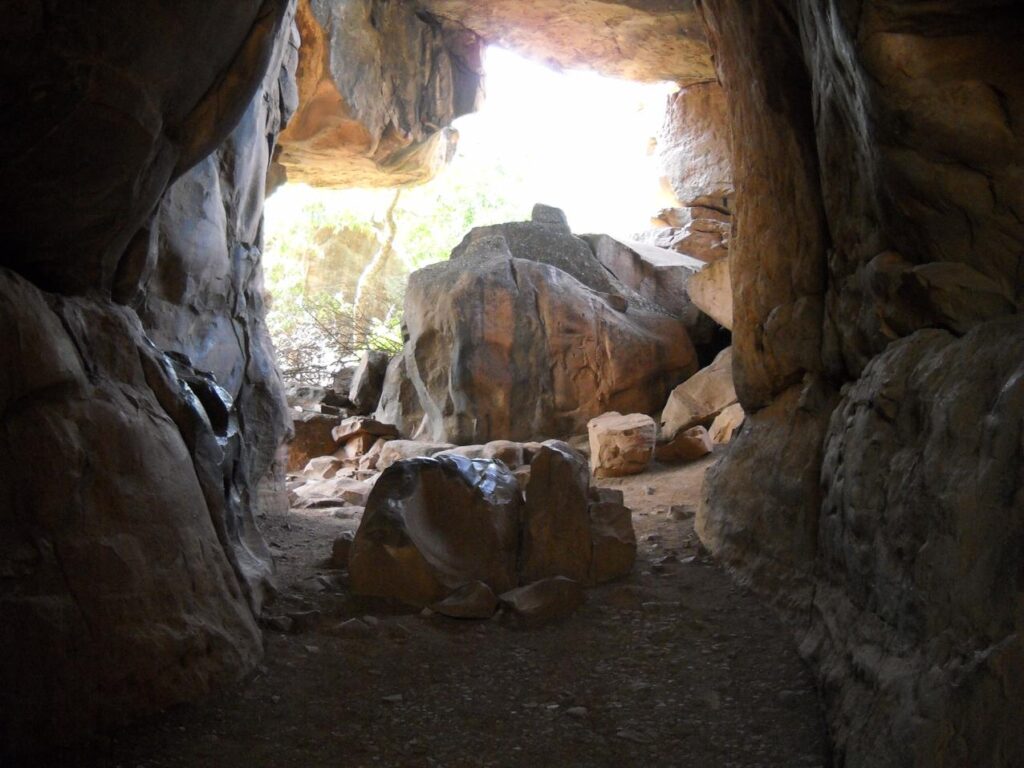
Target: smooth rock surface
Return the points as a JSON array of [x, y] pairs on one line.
[[688, 445]]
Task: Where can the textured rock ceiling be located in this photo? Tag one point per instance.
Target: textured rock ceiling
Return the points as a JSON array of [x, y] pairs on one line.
[[636, 39]]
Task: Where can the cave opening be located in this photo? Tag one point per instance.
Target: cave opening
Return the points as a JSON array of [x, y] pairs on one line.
[[811, 558]]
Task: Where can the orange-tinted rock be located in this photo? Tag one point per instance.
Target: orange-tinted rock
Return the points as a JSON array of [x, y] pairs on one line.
[[688, 445], [711, 292], [434, 525], [621, 444], [377, 86], [312, 438], [700, 398], [519, 348]]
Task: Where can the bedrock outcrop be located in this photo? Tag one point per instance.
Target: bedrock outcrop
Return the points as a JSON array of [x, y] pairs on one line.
[[876, 342], [378, 85], [523, 334]]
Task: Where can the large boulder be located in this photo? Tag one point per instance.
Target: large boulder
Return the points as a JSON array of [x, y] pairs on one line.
[[700, 398], [711, 292], [433, 525], [532, 345], [311, 437], [621, 444]]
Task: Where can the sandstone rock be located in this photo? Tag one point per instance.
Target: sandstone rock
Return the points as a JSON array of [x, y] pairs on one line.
[[475, 600], [399, 404], [323, 468], [688, 445], [331, 492], [700, 398], [396, 450], [711, 291], [694, 147], [356, 426], [636, 40], [378, 84], [433, 525], [557, 539], [507, 452], [369, 460], [544, 600], [726, 423], [486, 319], [621, 444], [368, 380], [656, 273], [312, 439]]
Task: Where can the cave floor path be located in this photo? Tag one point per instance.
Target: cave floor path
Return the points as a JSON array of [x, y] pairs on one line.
[[673, 666]]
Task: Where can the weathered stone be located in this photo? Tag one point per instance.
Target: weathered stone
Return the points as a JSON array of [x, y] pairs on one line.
[[475, 600], [726, 423], [378, 84], [362, 425], [432, 525], [504, 347], [700, 398], [694, 147], [399, 404], [331, 492], [323, 467], [370, 459], [368, 381], [556, 522], [396, 450], [711, 291], [636, 40], [544, 600], [656, 273], [688, 445], [621, 444], [312, 438]]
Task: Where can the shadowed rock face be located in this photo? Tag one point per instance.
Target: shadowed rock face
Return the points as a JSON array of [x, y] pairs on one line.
[[877, 156], [138, 419], [523, 334]]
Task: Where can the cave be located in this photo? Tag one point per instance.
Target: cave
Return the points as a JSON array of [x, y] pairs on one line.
[[860, 540]]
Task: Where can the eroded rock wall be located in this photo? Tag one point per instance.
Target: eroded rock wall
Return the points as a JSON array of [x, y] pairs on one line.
[[139, 402], [877, 155]]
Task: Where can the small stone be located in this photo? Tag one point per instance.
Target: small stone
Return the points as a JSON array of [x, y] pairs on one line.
[[681, 512], [394, 698], [579, 712]]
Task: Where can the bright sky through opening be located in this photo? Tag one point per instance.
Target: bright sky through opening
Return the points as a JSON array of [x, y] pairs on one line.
[[578, 141]]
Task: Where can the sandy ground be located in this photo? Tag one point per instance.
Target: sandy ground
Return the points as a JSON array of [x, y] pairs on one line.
[[673, 666]]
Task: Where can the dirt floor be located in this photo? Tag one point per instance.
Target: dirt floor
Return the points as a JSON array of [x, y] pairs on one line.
[[674, 666]]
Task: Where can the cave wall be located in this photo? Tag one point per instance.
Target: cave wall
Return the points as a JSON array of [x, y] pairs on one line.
[[379, 83], [139, 401], [877, 490]]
